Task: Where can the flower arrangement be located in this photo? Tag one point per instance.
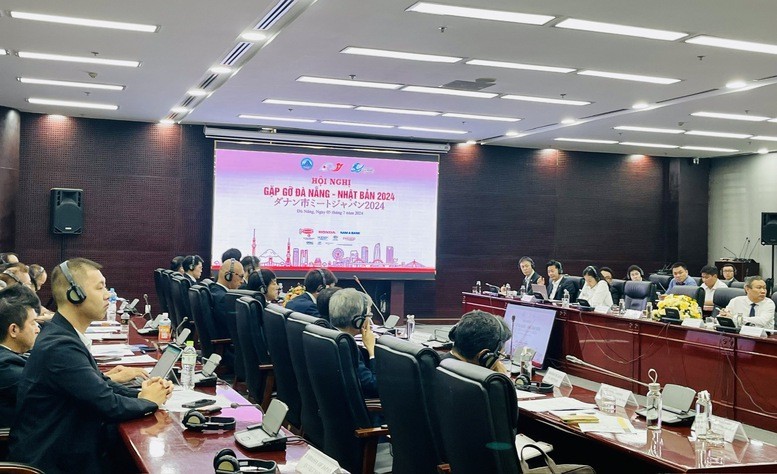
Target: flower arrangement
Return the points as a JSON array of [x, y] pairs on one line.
[[293, 293], [685, 305]]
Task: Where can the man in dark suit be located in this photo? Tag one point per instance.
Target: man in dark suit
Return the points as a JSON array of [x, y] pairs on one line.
[[558, 282], [530, 276], [315, 281], [192, 268], [66, 405], [348, 311], [19, 306], [230, 278], [478, 338]]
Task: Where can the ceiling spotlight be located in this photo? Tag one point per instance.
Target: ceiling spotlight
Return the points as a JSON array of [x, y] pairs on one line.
[[253, 36], [736, 84], [167, 122], [640, 106], [221, 69], [197, 92], [179, 110], [514, 134], [763, 151], [569, 121], [470, 142]]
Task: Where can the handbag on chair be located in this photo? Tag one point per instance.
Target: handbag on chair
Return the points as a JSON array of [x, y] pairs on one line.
[[551, 467]]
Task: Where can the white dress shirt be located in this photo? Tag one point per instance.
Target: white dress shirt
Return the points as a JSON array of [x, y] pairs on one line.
[[764, 311], [598, 295], [710, 292], [554, 288]]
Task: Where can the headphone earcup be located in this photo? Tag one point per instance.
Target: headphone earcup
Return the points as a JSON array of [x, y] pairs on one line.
[[452, 333], [522, 381], [220, 454], [75, 295], [226, 463], [358, 321], [194, 420], [488, 359]]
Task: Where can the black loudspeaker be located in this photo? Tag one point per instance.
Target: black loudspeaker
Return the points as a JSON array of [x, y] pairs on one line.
[[769, 228], [67, 211]]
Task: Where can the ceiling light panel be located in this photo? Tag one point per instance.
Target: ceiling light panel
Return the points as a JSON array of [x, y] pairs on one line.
[[615, 29], [348, 82], [3, 52], [709, 148], [71, 103], [427, 113], [481, 117], [303, 103], [78, 59], [433, 130], [765, 138], [733, 44], [67, 20], [384, 53], [525, 67], [587, 140], [704, 133], [83, 85], [355, 124], [746, 118], [629, 128], [545, 100], [275, 119], [648, 145], [443, 91], [479, 13], [629, 77]]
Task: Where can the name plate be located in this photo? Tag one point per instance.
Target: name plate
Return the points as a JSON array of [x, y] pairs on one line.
[[692, 323], [527, 298], [754, 331], [622, 396], [556, 378], [604, 309], [730, 429], [316, 462], [632, 314], [419, 337]]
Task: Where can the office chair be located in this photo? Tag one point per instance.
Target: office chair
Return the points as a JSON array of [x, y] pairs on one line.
[[637, 294], [160, 290], [695, 292], [661, 281], [722, 296], [285, 378], [252, 348]]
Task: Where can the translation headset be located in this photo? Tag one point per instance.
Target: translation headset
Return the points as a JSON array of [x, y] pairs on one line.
[[594, 270], [193, 264], [490, 357], [528, 259], [196, 421], [34, 275], [75, 294], [13, 275], [263, 285], [358, 321], [226, 461], [323, 280], [231, 272], [557, 264], [523, 383]]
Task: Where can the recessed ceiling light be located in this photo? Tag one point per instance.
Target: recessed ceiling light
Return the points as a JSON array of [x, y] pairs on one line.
[[765, 138], [773, 120], [746, 118], [763, 151], [545, 100], [481, 117], [348, 82], [253, 36], [444, 91], [384, 53], [479, 13], [275, 119], [387, 110], [355, 124], [179, 110], [197, 92], [303, 103], [703, 133], [470, 142], [528, 67], [629, 128], [587, 140], [733, 44], [709, 148], [71, 103], [3, 52], [640, 105], [569, 121], [736, 84], [78, 59], [115, 25], [648, 145], [85, 85], [167, 122], [515, 134], [629, 77], [433, 130], [612, 28], [221, 69]]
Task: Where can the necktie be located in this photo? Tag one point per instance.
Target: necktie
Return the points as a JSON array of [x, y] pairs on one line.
[[752, 309]]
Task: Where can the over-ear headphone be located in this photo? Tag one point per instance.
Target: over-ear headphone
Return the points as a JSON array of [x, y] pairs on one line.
[[192, 264], [528, 259], [323, 280], [557, 264], [196, 421], [522, 382], [263, 287], [594, 270], [13, 275], [74, 294], [489, 358], [231, 271], [226, 461], [358, 321]]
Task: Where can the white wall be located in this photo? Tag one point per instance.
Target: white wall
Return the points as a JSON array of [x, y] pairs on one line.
[[740, 189]]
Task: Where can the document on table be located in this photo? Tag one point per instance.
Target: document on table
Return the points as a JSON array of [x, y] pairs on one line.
[[181, 396], [523, 394], [559, 403], [112, 350], [101, 329], [608, 424], [132, 360]]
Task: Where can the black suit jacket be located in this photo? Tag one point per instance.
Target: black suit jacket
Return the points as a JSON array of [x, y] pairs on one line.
[[11, 367], [221, 311], [528, 282], [65, 403], [564, 284], [304, 304]]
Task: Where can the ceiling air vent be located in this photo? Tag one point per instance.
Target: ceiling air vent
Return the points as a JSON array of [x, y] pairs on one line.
[[685, 96], [188, 101], [603, 114], [476, 85], [237, 52], [280, 9], [206, 82]]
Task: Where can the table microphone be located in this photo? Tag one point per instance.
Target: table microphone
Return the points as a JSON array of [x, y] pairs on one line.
[[238, 405], [178, 328], [577, 361]]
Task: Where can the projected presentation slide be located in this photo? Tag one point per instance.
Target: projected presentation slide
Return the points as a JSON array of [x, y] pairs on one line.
[[530, 327], [297, 211]]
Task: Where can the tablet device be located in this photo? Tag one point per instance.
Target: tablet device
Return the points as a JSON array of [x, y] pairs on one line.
[[539, 290]]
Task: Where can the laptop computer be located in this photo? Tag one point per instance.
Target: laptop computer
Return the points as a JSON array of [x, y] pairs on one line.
[[163, 366], [540, 290]]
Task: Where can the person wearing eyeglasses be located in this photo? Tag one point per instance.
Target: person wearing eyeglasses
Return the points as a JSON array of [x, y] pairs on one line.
[[479, 339], [349, 312], [230, 278]]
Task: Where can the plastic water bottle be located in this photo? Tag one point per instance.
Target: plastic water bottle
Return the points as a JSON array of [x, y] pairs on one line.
[[507, 289], [649, 309], [111, 314], [565, 300], [653, 406], [410, 325], [622, 307], [165, 329], [188, 361], [701, 423]]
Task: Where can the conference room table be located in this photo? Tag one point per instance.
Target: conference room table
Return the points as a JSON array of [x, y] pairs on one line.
[[740, 372]]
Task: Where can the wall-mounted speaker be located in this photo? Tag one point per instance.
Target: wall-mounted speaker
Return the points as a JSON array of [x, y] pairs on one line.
[[769, 228], [67, 211]]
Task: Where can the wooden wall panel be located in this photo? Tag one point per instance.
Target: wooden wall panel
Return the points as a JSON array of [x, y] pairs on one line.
[[10, 129]]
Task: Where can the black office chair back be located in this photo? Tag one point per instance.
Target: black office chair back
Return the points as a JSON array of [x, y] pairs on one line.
[[208, 329], [312, 425], [661, 281], [332, 360], [722, 296], [478, 414], [167, 279], [203, 331], [185, 308], [636, 294], [278, 309], [160, 290], [578, 281], [737, 284], [252, 345], [619, 285], [406, 374], [229, 318], [695, 292], [285, 378]]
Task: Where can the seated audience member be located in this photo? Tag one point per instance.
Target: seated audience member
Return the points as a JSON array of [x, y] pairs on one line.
[[66, 407], [681, 277], [19, 307], [635, 273], [595, 290], [192, 268], [322, 301], [728, 272], [478, 338], [38, 278], [526, 264], [315, 281], [606, 273], [231, 253], [176, 264], [558, 282], [16, 274], [755, 307], [349, 312], [250, 266], [265, 282], [710, 283], [230, 278], [8, 257]]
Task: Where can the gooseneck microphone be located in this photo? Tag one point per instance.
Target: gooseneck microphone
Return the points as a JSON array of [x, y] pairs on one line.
[[730, 251], [178, 328], [492, 286], [577, 361], [373, 302], [238, 405]]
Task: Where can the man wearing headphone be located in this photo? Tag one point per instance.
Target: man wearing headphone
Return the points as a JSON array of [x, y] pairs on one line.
[[315, 281], [530, 276], [558, 282], [478, 338], [192, 268], [230, 278], [66, 406], [349, 311]]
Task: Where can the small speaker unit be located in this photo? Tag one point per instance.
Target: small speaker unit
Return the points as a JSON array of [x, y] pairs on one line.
[[67, 211], [769, 228]]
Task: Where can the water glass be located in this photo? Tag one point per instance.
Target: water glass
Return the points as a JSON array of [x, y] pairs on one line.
[[607, 401]]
